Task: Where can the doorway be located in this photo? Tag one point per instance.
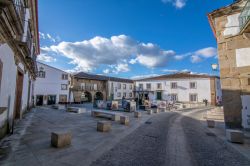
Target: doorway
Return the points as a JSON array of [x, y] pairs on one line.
[[158, 95], [39, 100], [51, 99], [19, 91]]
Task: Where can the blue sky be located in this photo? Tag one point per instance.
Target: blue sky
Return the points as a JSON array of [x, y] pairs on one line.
[[128, 38]]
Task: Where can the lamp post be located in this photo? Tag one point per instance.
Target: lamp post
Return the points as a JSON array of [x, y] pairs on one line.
[[214, 66]]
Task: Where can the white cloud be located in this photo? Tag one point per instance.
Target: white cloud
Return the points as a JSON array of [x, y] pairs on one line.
[[175, 70], [195, 59], [106, 71], [119, 68], [118, 50], [179, 4], [49, 37], [207, 52], [46, 58], [143, 76]]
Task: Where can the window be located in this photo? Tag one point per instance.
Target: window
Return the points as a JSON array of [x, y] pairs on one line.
[[41, 74], [158, 95], [193, 97], [159, 85], [148, 86], [248, 81], [83, 86], [64, 86], [192, 85], [1, 70], [173, 85], [130, 94], [119, 94], [95, 86], [119, 86], [131, 87], [140, 86], [174, 97], [125, 94], [124, 86], [64, 76]]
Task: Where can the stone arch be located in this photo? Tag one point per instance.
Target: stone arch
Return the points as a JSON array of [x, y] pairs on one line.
[[86, 97], [99, 96]]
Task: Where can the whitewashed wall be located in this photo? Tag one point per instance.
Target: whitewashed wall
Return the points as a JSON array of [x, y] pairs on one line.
[[183, 90], [8, 83], [51, 84], [115, 89]]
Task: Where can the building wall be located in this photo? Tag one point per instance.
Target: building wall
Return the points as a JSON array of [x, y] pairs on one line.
[[233, 50], [51, 84], [113, 89], [78, 89], [8, 86], [183, 88]]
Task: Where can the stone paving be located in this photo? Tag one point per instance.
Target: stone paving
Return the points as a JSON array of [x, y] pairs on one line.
[[30, 143]]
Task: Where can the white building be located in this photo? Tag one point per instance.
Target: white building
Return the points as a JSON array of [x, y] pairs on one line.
[[119, 88], [51, 85], [19, 45], [180, 87]]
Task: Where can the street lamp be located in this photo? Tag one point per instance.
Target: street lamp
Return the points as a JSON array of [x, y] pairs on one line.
[[215, 66]]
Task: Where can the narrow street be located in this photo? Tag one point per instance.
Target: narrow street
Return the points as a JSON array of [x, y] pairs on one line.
[[172, 139]]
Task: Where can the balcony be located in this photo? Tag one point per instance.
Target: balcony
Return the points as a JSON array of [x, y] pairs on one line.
[[244, 18]]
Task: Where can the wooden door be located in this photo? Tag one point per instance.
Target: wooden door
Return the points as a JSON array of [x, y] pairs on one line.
[[19, 91]]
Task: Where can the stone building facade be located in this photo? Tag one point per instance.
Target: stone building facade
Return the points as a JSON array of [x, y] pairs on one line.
[[19, 45], [231, 28], [89, 87]]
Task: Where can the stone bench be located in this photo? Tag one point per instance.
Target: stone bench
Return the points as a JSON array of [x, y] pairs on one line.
[[161, 109], [150, 111], [60, 139], [156, 111], [58, 107], [235, 136], [210, 123], [114, 116], [124, 120], [76, 110], [103, 126], [137, 114]]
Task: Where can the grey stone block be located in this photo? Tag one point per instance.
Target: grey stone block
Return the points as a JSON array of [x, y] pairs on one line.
[[60, 139], [149, 111], [103, 126], [124, 120], [210, 123], [235, 136], [137, 114]]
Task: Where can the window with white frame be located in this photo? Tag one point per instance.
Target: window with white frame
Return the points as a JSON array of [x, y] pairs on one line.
[[174, 97], [119, 94], [130, 94], [148, 86], [41, 74], [193, 97], [64, 76], [192, 85], [173, 85], [140, 86], [131, 87], [64, 86], [119, 86], [124, 94], [95, 86], [159, 85], [124, 86]]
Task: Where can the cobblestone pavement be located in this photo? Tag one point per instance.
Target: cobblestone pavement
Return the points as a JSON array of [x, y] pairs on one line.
[[174, 140]]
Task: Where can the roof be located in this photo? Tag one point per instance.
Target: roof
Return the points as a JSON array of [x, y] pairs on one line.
[[178, 76], [101, 77], [51, 67]]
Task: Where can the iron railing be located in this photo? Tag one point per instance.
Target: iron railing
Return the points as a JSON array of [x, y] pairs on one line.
[[245, 15]]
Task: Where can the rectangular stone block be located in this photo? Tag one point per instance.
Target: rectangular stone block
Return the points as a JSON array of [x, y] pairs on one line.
[[124, 120], [115, 117], [210, 123], [156, 111], [60, 139], [137, 114], [235, 136], [149, 111], [76, 110], [103, 126]]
